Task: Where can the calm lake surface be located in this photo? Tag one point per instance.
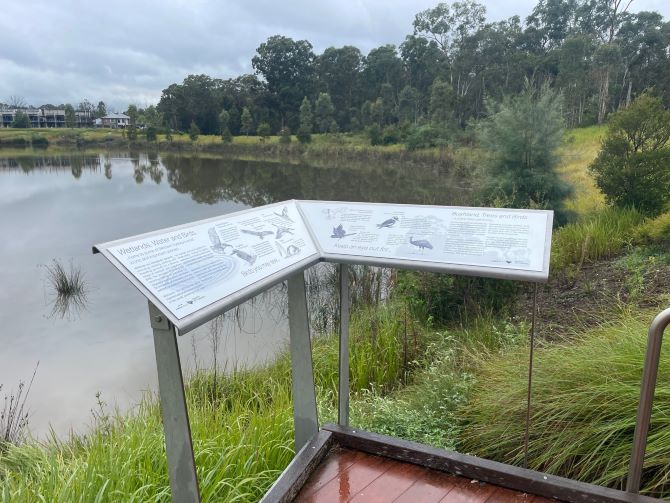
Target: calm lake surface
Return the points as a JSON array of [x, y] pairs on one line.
[[56, 206]]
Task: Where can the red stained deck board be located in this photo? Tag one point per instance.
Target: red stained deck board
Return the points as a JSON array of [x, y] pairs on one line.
[[353, 476]]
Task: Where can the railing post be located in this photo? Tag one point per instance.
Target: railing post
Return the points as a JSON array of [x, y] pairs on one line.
[[302, 372], [343, 394], [178, 443], [648, 386]]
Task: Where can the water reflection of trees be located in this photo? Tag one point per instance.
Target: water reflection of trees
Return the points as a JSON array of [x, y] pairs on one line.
[[212, 179], [76, 163], [256, 183]]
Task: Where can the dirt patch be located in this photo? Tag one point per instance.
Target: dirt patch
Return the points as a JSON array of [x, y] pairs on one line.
[[580, 299]]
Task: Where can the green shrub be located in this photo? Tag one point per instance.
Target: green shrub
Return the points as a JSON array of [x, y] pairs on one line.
[[226, 135], [193, 132], [446, 298], [151, 133], [655, 229], [633, 167], [374, 133], [390, 135], [425, 136], [285, 135], [39, 141]]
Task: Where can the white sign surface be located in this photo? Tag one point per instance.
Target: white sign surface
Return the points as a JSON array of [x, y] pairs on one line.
[[507, 239], [194, 266]]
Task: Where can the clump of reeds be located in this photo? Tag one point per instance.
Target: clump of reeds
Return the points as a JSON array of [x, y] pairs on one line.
[[68, 289], [585, 397], [14, 415], [597, 237]]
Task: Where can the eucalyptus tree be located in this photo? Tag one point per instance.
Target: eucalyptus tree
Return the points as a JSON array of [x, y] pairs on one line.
[[575, 62], [603, 19], [382, 66], [288, 68], [339, 71], [409, 105]]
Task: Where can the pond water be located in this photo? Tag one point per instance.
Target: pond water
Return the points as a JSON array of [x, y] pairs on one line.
[[56, 206]]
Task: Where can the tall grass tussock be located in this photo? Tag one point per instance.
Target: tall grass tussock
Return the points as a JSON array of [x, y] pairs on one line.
[[584, 405]]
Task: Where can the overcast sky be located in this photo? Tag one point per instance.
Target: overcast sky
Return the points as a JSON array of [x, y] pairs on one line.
[[123, 51]]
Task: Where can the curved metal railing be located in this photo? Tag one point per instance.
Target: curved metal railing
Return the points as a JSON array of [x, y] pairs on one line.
[[648, 387]]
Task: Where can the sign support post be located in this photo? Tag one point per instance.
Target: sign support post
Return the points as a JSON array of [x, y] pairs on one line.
[[302, 371], [181, 463], [343, 394]]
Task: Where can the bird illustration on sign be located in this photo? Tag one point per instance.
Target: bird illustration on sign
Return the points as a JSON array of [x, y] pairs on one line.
[[387, 223], [339, 232], [421, 243]]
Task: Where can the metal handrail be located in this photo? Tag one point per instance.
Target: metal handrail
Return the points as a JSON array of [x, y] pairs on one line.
[[648, 387]]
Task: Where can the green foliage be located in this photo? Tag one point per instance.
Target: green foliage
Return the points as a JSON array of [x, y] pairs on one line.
[[523, 137], [391, 135], [151, 133], [101, 110], [584, 408], [133, 113], [655, 229], [633, 167], [131, 132], [263, 130], [70, 117], [21, 120], [597, 237], [246, 121], [424, 136], [305, 130], [39, 141], [193, 132], [374, 133], [323, 112], [241, 423], [226, 135], [224, 120], [445, 298], [285, 136], [442, 100]]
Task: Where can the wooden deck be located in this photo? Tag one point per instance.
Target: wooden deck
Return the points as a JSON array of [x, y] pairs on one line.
[[342, 464], [353, 476]]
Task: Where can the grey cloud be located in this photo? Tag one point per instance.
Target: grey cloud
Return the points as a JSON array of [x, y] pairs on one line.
[[129, 51]]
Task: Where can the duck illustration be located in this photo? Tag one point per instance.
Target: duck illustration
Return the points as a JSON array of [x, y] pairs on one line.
[[339, 232], [258, 234], [421, 243], [388, 223]]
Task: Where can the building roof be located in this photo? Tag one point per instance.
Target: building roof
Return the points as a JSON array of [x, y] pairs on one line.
[[116, 116]]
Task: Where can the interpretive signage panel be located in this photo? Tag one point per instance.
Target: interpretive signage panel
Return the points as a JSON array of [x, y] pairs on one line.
[[480, 237], [192, 266]]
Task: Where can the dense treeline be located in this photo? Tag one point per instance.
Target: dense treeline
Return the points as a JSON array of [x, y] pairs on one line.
[[598, 55]]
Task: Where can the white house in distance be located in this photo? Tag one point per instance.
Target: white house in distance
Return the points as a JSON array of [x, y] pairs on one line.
[[115, 121]]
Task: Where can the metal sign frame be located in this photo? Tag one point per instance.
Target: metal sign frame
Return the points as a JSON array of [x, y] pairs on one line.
[[166, 326]]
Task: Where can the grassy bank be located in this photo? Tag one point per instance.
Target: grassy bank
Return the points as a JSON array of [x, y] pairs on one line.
[[242, 426]]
